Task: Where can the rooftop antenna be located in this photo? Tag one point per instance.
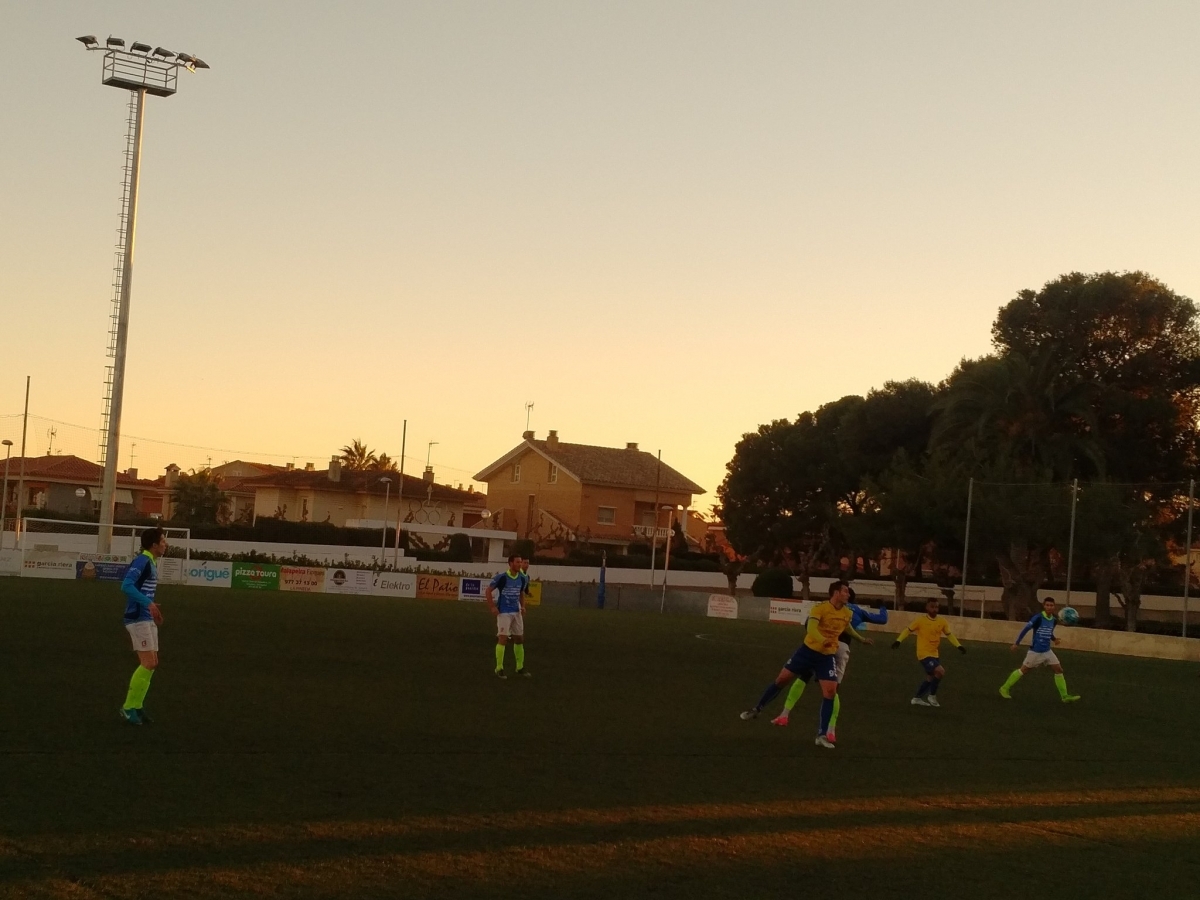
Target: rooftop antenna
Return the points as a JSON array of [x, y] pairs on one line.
[[52, 433], [528, 410], [132, 455], [429, 453]]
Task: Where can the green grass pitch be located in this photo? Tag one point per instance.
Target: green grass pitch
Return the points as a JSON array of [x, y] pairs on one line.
[[337, 747]]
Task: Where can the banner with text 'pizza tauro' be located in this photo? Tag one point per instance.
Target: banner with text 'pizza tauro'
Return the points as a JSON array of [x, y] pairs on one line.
[[255, 576]]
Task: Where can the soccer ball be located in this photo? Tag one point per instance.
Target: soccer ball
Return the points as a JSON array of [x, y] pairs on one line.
[[1069, 615]]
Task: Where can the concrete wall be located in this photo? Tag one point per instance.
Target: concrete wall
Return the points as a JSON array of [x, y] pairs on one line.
[[1088, 639]]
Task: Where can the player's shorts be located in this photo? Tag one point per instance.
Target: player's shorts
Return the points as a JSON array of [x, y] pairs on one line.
[[840, 659], [1046, 658], [930, 664], [807, 663], [144, 636], [510, 624]]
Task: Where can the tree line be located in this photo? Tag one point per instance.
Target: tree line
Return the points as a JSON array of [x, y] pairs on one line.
[[1094, 377]]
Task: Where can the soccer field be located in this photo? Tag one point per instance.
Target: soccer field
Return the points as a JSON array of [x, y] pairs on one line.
[[328, 746]]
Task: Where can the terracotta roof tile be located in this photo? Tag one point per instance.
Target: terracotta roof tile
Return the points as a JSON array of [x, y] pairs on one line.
[[607, 465]]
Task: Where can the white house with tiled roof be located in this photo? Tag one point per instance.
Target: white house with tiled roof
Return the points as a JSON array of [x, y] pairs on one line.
[[556, 493]]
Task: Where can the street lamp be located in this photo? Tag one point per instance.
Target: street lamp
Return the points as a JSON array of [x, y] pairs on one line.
[[667, 553], [4, 497], [386, 498], [141, 71]]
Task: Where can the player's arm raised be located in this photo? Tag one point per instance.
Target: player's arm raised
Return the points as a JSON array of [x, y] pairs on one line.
[[900, 638]]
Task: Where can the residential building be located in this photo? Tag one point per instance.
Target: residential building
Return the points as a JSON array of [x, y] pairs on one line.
[[69, 485], [346, 497], [559, 494]]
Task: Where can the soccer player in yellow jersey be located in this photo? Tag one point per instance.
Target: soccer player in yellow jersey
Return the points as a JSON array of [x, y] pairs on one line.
[[929, 629], [817, 656]]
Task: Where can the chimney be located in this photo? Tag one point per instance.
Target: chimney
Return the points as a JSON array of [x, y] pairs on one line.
[[131, 472], [310, 467], [527, 435], [172, 475], [290, 466], [632, 445], [427, 475], [552, 439], [335, 469]]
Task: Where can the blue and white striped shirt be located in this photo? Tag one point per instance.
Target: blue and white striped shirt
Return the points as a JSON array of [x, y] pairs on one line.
[[139, 587]]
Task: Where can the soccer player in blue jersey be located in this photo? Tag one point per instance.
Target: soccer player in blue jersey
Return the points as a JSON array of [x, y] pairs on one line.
[[861, 616], [142, 618], [506, 596], [1040, 652]]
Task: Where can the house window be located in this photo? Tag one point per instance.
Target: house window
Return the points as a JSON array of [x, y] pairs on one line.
[[553, 477], [606, 515], [516, 473]]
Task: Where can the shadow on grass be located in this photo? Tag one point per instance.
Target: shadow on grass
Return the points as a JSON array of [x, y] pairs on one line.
[[575, 852]]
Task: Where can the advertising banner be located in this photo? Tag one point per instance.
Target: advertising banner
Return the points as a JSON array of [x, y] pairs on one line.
[[100, 571], [49, 564], [437, 587], [255, 576], [170, 570], [10, 562], [722, 606], [301, 578], [791, 612], [472, 589], [209, 573], [535, 594], [394, 584], [349, 581]]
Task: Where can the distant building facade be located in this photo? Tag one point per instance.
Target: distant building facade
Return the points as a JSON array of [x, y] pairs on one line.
[[559, 494]]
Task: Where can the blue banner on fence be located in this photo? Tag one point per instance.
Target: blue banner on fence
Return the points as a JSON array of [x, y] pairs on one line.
[[101, 571]]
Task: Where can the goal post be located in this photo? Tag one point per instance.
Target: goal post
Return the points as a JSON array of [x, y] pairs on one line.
[[67, 536]]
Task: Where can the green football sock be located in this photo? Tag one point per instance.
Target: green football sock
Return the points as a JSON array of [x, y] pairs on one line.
[[1060, 682], [499, 657], [138, 685], [1012, 679], [837, 708], [793, 696], [519, 653]]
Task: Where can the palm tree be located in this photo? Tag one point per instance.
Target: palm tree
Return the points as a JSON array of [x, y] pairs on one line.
[[358, 457], [383, 463]]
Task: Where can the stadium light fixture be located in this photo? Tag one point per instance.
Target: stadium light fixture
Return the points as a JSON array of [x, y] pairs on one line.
[[140, 71]]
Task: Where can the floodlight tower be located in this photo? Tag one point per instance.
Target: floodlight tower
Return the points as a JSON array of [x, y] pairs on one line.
[[141, 70]]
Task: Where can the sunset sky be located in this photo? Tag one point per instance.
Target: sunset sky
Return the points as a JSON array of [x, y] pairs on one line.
[[663, 222]]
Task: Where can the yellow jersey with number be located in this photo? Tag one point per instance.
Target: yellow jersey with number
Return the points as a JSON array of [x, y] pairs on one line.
[[830, 623]]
